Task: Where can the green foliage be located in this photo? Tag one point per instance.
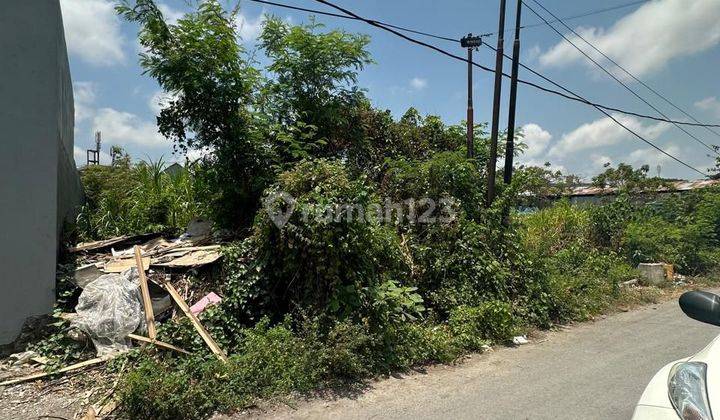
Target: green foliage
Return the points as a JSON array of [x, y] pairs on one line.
[[476, 326], [628, 179], [553, 229], [333, 294], [140, 198], [313, 88], [582, 282], [213, 91]]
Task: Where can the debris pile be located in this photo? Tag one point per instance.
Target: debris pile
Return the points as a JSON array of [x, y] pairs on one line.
[[127, 286]]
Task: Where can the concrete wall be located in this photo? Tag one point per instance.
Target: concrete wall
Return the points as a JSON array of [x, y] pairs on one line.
[[39, 184]]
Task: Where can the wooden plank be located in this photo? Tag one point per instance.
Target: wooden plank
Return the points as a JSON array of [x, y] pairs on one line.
[[76, 366], [157, 343], [119, 265], [196, 323], [145, 291]]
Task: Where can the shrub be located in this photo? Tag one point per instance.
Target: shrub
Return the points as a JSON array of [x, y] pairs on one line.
[[608, 221], [554, 228], [582, 282], [475, 326], [126, 198], [327, 259]]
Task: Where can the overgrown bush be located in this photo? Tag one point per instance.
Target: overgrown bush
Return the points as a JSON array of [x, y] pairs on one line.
[[127, 198], [475, 326]]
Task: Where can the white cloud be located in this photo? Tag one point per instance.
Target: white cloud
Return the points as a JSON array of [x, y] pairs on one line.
[[532, 53], [92, 31], [170, 14], [249, 29], [652, 157], [536, 138], [600, 161], [647, 39], [159, 100], [710, 104], [84, 97], [605, 132], [124, 128], [418, 83], [196, 154]]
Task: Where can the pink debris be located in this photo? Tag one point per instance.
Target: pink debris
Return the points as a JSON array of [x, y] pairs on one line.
[[209, 300]]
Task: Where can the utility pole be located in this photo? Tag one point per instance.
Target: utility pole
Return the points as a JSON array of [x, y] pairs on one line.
[[510, 143], [492, 159], [470, 42]]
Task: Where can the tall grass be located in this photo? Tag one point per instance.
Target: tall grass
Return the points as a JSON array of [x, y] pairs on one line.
[[131, 198]]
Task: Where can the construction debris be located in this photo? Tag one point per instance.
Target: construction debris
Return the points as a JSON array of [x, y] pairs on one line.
[[108, 310], [145, 293], [119, 240], [655, 274], [208, 300], [190, 250], [41, 375], [520, 340], [196, 323]]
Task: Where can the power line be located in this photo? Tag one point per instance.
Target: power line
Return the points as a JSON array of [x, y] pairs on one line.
[[446, 38], [338, 15], [572, 96], [378, 25], [626, 71], [609, 73], [582, 15]]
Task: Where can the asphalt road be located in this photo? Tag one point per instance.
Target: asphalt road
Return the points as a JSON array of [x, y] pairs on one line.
[[594, 370]]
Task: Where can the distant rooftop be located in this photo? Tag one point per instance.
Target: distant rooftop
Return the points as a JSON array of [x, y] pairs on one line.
[[586, 191]]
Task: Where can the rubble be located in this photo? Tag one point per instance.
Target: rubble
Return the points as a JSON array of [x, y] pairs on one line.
[[191, 250], [118, 303]]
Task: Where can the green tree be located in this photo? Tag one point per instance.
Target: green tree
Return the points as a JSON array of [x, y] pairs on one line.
[[313, 91], [626, 178], [214, 89]]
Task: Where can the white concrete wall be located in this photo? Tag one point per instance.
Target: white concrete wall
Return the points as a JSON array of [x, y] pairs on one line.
[[38, 180]]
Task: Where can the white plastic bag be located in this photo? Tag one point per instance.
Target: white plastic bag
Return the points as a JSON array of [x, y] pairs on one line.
[[109, 308]]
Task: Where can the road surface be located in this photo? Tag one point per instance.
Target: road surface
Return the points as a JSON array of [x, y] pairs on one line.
[[594, 370]]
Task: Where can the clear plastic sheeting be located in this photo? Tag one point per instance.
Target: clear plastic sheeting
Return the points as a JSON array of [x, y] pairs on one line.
[[109, 308]]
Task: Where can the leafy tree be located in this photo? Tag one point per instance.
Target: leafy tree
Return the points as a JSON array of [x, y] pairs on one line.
[[313, 92], [627, 178], [214, 91], [541, 184]]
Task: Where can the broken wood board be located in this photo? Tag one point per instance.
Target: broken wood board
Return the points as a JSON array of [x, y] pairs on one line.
[[105, 243], [189, 259], [123, 264], [76, 366], [196, 323], [145, 293], [87, 274], [157, 343]]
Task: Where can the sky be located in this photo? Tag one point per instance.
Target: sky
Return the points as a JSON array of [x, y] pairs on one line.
[[671, 45]]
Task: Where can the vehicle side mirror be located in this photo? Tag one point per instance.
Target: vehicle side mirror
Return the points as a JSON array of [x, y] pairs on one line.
[[702, 306]]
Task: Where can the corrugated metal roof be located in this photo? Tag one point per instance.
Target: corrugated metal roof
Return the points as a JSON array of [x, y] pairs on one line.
[[674, 186]]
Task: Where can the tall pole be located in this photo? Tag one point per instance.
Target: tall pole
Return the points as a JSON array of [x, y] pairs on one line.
[[492, 159], [510, 144], [470, 116], [470, 42]]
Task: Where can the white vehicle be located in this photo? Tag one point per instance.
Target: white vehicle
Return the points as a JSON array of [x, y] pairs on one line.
[[688, 388]]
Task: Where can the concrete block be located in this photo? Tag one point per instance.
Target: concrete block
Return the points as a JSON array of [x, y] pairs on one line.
[[653, 274]]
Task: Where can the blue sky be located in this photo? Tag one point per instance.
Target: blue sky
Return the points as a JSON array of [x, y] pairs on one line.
[[670, 44]]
